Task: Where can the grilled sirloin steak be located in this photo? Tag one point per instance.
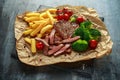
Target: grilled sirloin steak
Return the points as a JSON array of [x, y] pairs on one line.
[[65, 28]]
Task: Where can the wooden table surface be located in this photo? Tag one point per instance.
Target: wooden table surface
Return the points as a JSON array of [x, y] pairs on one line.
[[106, 68]]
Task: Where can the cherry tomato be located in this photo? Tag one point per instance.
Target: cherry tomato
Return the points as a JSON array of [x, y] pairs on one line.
[[39, 45], [93, 44], [66, 17], [59, 11], [65, 9], [60, 17], [79, 19], [69, 12]]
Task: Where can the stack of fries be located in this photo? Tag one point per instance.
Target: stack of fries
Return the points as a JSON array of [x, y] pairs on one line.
[[39, 25]]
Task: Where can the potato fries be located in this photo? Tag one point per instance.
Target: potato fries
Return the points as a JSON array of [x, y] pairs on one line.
[[31, 14], [28, 40], [50, 16], [45, 29], [44, 15], [37, 30], [30, 19], [35, 25], [27, 32], [53, 11], [33, 46]]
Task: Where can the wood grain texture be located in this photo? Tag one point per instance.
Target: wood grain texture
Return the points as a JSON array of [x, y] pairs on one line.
[[106, 68]]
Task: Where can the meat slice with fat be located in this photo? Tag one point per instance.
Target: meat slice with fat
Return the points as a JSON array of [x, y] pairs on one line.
[[45, 50], [55, 49], [69, 40], [62, 50], [52, 36], [42, 40]]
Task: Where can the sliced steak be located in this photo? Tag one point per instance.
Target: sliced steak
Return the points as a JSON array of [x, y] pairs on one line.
[[55, 49], [69, 40], [65, 28], [42, 40], [63, 49], [45, 50], [57, 38], [52, 36], [69, 50]]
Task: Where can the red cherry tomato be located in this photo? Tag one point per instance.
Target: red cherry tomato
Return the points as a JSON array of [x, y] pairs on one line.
[[69, 12], [66, 17], [59, 11], [65, 9], [39, 45], [60, 17], [93, 44], [80, 19]]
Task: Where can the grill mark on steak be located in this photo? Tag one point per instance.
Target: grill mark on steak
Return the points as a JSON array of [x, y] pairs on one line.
[[65, 28]]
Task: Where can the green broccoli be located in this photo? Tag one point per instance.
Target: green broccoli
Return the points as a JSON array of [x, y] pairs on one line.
[[84, 27], [84, 33], [95, 33], [80, 45], [79, 32], [87, 36], [87, 24]]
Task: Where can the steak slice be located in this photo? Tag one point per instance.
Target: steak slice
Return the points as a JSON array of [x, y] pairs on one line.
[[65, 28]]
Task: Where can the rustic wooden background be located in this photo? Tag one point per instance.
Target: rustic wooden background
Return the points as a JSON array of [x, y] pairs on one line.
[[106, 68]]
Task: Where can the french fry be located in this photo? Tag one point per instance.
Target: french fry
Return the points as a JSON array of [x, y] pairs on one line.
[[32, 14], [27, 28], [52, 10], [44, 15], [35, 25], [41, 21], [39, 35], [30, 19], [28, 31], [31, 23], [33, 46], [48, 31], [28, 40], [54, 15], [50, 16], [41, 18], [35, 31], [45, 29]]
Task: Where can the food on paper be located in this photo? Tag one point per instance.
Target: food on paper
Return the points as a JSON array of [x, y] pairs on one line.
[[62, 34]]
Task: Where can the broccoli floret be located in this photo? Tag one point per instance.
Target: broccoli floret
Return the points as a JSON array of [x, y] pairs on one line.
[[95, 33], [84, 33], [84, 27], [86, 24], [79, 32], [87, 36], [80, 45]]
